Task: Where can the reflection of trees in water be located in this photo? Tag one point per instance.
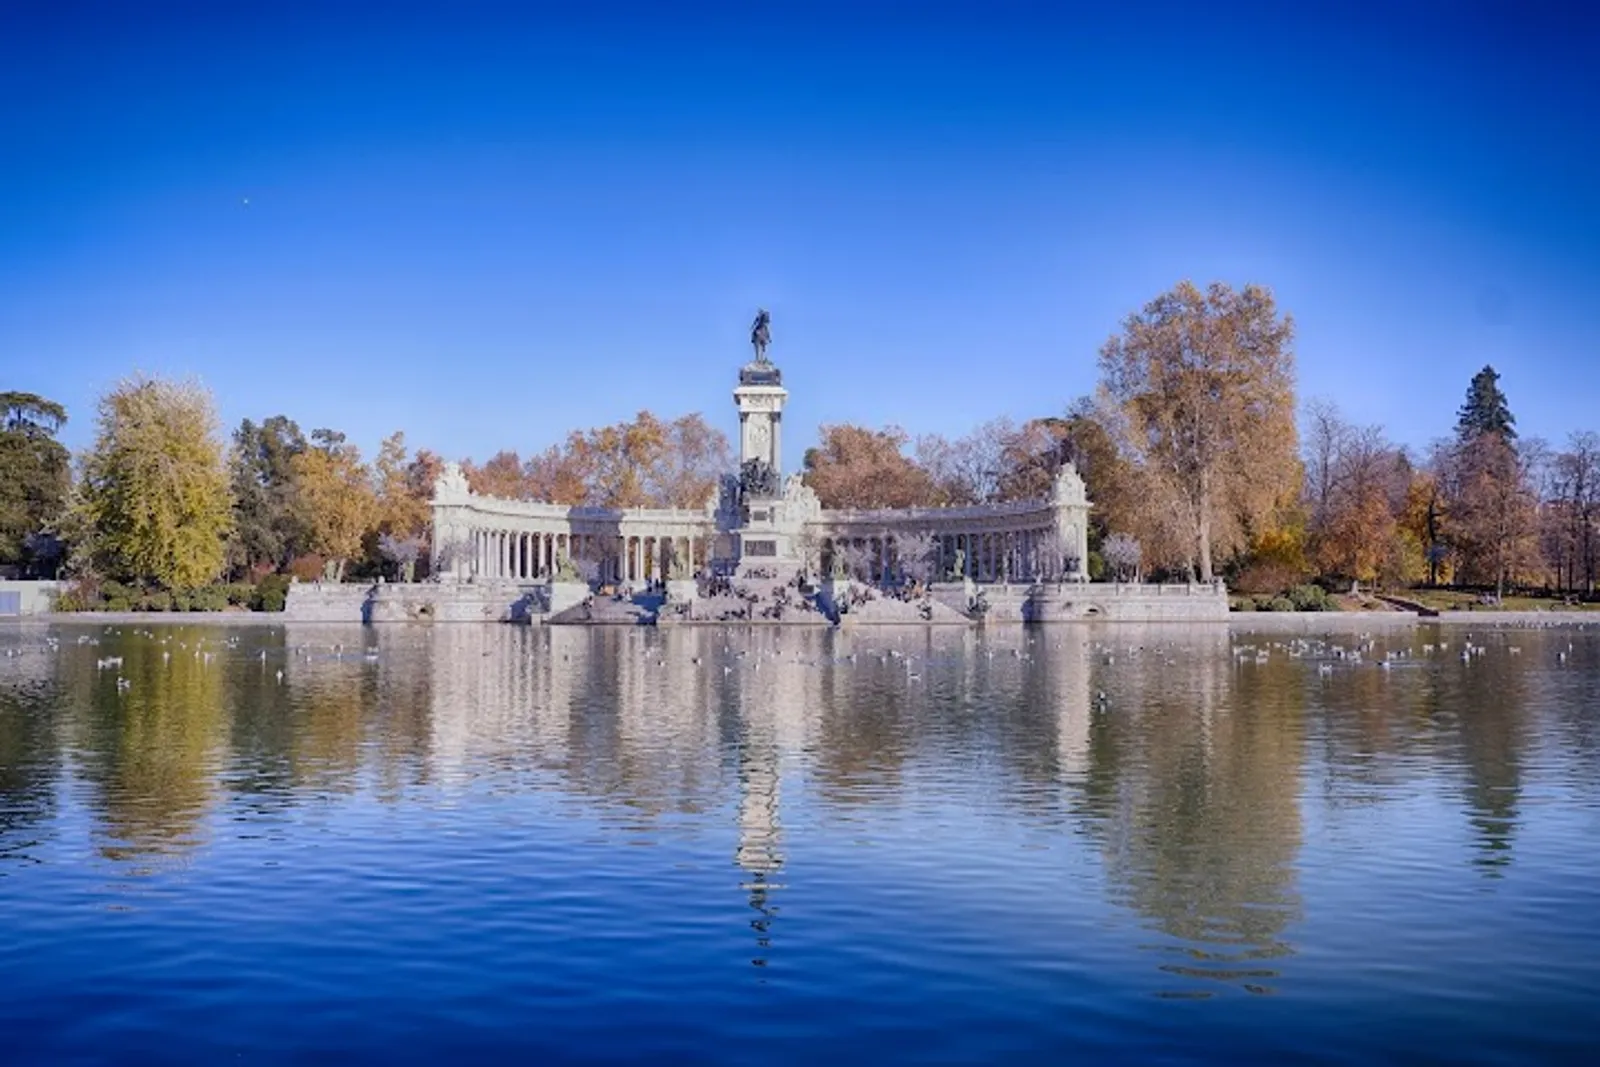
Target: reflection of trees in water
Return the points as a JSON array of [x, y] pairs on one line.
[[1365, 722], [1188, 781], [1572, 693], [353, 700], [1193, 792], [1567, 696], [151, 752], [1466, 721], [1488, 700], [30, 760], [191, 729], [262, 731]]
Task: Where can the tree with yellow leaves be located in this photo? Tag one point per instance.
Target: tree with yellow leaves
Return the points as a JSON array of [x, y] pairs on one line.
[[336, 498], [153, 505], [402, 504], [1356, 487], [1202, 384], [641, 463], [403, 490]]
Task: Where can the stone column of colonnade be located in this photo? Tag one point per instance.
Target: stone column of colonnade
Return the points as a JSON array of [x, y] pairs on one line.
[[989, 555], [515, 555], [493, 553], [645, 556]]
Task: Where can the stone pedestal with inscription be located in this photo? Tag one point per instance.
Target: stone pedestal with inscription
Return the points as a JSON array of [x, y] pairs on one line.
[[766, 539]]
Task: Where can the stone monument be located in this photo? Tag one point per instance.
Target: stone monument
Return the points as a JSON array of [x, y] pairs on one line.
[[765, 538]]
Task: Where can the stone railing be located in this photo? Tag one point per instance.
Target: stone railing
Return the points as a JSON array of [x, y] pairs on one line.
[[1084, 601]]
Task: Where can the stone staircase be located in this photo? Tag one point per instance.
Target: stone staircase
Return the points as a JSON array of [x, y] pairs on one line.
[[641, 609]]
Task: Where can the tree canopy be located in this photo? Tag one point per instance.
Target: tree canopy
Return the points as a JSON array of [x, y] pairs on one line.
[[268, 530], [1202, 388], [643, 462], [335, 498], [35, 473], [1486, 409], [154, 504], [854, 467]]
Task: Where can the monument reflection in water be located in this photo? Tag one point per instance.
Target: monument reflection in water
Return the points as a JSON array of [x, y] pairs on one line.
[[931, 843]]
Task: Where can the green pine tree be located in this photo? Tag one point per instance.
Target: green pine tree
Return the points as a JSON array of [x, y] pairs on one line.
[[1486, 410]]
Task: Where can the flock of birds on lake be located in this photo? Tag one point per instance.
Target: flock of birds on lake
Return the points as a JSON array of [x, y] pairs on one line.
[[205, 652], [1327, 653]]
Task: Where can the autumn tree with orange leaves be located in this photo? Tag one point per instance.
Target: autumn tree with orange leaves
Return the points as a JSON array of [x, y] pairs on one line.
[[854, 467], [1202, 387], [644, 462]]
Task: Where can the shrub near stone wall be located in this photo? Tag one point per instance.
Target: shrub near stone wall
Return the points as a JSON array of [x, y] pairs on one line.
[[1300, 598], [267, 595], [1311, 598], [271, 593]]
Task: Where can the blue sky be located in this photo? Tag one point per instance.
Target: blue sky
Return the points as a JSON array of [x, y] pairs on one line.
[[486, 225]]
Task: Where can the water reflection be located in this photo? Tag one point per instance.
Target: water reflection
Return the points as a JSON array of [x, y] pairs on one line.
[[1185, 764], [146, 735], [29, 751], [1193, 793]]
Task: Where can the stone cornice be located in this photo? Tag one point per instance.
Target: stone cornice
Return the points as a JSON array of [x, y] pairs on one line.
[[504, 507]]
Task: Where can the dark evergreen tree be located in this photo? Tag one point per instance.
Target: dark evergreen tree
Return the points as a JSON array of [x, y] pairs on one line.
[[267, 530], [1486, 410], [35, 475]]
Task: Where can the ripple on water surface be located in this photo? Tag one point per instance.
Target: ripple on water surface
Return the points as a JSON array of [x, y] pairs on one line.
[[1127, 842]]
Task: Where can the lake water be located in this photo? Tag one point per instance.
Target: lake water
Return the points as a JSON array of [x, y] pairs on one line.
[[473, 843]]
